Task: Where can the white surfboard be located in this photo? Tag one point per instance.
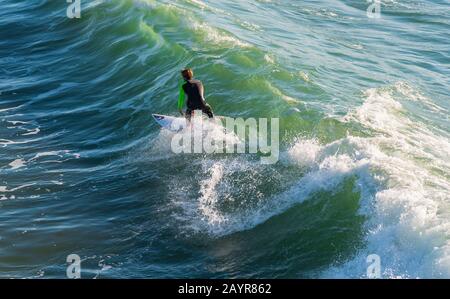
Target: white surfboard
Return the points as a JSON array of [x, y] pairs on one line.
[[174, 124]]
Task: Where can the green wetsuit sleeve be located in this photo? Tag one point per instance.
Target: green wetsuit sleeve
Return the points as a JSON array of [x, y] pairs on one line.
[[181, 98]]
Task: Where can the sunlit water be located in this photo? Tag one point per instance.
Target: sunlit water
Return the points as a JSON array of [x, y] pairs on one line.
[[365, 151]]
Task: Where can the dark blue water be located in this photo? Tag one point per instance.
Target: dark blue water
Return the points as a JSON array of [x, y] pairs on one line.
[[364, 167]]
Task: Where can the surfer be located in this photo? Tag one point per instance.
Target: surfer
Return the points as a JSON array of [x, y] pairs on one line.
[[195, 99]]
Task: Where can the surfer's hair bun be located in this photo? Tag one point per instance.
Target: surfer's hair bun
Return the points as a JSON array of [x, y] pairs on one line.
[[188, 74]]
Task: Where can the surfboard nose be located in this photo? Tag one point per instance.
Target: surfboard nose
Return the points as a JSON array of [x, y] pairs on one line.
[[158, 116]]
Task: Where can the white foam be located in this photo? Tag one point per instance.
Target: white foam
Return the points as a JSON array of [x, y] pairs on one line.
[[18, 163], [22, 125], [215, 36], [209, 196], [199, 3], [304, 76], [6, 142], [5, 188], [326, 175], [57, 153], [304, 153], [213, 133], [409, 223], [15, 122], [283, 96], [32, 132], [401, 170], [9, 109]]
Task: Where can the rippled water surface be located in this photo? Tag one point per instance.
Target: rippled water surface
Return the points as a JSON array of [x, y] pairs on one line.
[[365, 144]]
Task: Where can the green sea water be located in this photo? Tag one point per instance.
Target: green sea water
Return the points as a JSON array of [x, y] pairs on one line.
[[364, 166]]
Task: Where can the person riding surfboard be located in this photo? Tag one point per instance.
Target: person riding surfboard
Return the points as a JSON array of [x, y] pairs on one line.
[[195, 95]]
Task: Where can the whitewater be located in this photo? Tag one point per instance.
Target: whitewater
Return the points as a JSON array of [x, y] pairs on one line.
[[364, 164]]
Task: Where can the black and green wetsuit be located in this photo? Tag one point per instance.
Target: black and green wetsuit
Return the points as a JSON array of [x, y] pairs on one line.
[[195, 99]]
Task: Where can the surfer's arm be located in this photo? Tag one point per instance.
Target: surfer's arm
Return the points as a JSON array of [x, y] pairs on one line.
[[202, 91], [181, 98]]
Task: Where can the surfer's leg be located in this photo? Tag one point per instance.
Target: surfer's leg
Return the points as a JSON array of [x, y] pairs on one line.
[[208, 111], [188, 114]]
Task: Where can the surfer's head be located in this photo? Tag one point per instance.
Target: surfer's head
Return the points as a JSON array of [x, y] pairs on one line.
[[187, 74]]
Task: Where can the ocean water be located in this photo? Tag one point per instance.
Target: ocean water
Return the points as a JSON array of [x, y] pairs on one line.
[[365, 142]]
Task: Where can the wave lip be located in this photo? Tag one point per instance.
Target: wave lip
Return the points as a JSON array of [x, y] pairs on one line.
[[408, 224], [404, 199]]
